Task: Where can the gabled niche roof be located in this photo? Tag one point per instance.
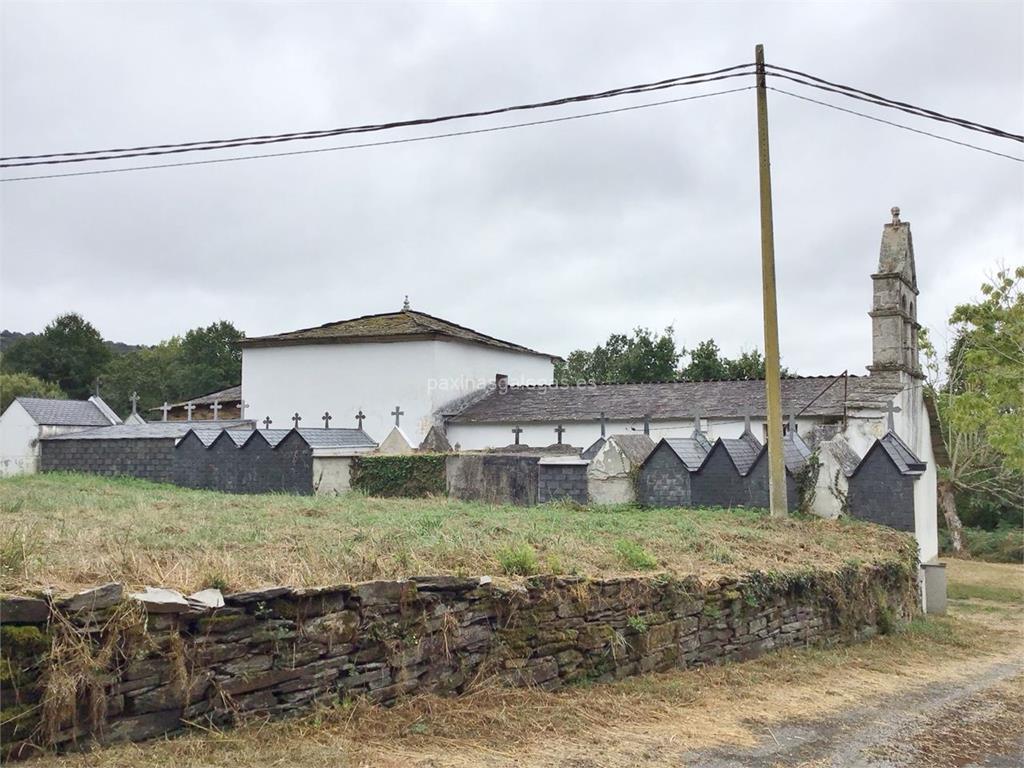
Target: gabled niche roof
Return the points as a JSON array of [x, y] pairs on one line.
[[405, 325], [67, 413], [906, 460]]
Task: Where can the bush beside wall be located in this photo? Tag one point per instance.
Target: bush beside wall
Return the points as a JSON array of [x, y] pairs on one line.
[[155, 670], [413, 476]]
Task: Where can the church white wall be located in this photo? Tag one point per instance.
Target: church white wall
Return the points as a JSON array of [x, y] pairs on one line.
[[19, 450], [464, 368], [419, 376], [341, 379]]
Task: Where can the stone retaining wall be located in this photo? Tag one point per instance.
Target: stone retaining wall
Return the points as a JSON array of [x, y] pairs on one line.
[[153, 666]]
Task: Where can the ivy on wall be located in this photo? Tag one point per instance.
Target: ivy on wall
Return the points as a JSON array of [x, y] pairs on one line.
[[414, 476]]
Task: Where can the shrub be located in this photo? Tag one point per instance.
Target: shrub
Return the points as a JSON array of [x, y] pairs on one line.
[[635, 556], [519, 560], [1003, 545], [414, 476]]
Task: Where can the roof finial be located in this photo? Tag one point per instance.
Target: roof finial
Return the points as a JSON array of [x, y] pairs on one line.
[[405, 304], [895, 211]]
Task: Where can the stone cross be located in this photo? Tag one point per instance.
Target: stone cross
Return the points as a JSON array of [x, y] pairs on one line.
[[216, 409], [165, 408], [746, 423], [135, 402], [359, 418], [889, 410], [696, 421], [559, 430], [96, 384], [267, 422], [895, 211], [792, 424], [647, 424], [398, 413], [242, 405], [189, 407], [327, 419], [296, 419], [602, 423], [517, 431], [405, 304]]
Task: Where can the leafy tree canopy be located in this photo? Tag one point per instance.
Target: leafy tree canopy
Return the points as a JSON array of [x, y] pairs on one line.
[[69, 353], [643, 357], [14, 385]]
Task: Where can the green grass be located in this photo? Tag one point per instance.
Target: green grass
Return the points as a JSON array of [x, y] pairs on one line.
[[1012, 593], [71, 530]]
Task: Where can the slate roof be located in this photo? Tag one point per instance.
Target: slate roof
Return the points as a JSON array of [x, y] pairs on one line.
[[229, 395], [691, 450], [795, 452], [64, 413], [151, 430], [635, 447], [847, 458], [406, 325], [341, 438], [904, 458], [594, 448], [812, 395], [743, 450]]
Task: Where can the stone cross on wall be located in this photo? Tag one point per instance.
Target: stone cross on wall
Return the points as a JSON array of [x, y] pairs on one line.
[[559, 430], [517, 431], [242, 405], [791, 421], [890, 409], [647, 424], [216, 409], [327, 419], [267, 422], [398, 413], [135, 403], [602, 423], [165, 408], [296, 419], [696, 421], [189, 407], [359, 418], [746, 423]]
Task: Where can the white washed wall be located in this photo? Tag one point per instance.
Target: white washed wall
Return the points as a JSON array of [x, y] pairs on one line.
[[18, 433], [375, 377]]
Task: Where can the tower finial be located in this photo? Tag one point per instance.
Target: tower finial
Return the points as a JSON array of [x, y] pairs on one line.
[[895, 211], [405, 304]]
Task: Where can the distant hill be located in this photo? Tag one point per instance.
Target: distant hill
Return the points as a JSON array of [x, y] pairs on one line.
[[117, 347]]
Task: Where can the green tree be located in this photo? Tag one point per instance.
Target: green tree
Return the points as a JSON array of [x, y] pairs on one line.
[[979, 398], [644, 357], [212, 358], [154, 372], [14, 385], [69, 353], [708, 364]]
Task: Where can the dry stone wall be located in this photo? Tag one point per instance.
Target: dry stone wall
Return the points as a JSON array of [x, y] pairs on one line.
[[146, 669]]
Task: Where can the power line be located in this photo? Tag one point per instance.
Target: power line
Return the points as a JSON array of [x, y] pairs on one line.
[[856, 93], [200, 146], [381, 143], [896, 125]]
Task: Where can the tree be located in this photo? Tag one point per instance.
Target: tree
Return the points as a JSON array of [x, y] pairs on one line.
[[70, 353], [644, 357], [14, 385], [708, 364], [979, 400], [154, 372], [212, 358]]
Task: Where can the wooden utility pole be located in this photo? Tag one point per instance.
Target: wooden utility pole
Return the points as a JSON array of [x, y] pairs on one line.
[[772, 379]]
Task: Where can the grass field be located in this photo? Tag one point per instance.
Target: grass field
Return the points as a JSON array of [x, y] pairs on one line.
[[71, 531], [653, 720]]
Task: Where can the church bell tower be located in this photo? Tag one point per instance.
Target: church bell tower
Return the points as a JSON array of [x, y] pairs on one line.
[[894, 325]]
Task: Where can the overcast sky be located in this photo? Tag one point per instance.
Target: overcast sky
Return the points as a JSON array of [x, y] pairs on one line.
[[552, 236]]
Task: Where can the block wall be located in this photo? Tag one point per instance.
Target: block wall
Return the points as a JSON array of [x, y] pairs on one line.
[[149, 459]]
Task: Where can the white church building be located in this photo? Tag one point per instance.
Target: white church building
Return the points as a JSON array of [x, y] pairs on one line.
[[417, 371]]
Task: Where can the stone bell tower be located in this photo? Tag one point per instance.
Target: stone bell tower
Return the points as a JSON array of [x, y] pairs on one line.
[[894, 325]]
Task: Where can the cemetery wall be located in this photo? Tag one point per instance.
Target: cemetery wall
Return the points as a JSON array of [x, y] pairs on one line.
[[664, 481], [147, 458], [492, 478], [140, 669], [562, 482]]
